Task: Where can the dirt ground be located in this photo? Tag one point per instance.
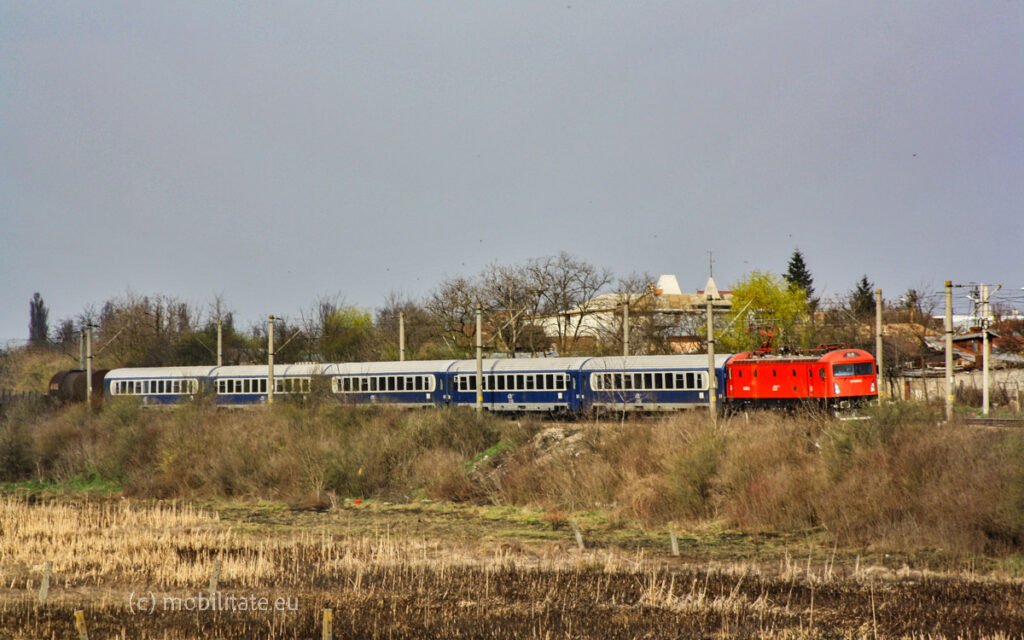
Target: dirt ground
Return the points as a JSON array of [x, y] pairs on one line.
[[236, 570]]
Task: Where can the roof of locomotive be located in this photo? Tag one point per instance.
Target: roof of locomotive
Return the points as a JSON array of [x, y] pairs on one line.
[[835, 355]]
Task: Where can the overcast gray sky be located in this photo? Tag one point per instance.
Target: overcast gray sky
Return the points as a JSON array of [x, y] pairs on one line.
[[275, 153]]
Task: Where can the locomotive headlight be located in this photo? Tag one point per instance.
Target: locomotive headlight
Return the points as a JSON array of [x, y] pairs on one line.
[[835, 387]]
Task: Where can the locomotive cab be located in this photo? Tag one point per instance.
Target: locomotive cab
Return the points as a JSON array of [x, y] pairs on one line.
[[850, 377]]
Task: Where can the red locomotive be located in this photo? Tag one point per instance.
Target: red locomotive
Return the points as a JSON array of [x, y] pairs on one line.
[[836, 379]]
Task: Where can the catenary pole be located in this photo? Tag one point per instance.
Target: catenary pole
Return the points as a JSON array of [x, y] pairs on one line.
[[712, 378], [985, 347], [625, 329], [949, 350], [220, 342], [879, 350], [270, 359], [479, 360], [88, 364], [401, 336]]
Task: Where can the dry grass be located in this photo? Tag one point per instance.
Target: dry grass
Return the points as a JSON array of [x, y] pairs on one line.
[[898, 479], [404, 586]]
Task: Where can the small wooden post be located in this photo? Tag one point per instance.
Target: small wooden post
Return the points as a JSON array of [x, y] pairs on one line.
[[44, 589], [579, 536], [80, 627], [675, 542], [214, 579], [328, 624]]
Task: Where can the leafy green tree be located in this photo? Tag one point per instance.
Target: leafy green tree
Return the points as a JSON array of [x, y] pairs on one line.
[[346, 334], [764, 307]]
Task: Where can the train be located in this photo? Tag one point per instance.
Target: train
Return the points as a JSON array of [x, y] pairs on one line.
[[835, 379]]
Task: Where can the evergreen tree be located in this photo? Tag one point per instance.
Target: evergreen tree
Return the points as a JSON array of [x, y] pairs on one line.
[[799, 276], [38, 323], [862, 298]]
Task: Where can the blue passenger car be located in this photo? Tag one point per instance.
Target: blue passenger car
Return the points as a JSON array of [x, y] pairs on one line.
[[247, 385], [521, 384], [158, 385], [648, 383], [422, 383]]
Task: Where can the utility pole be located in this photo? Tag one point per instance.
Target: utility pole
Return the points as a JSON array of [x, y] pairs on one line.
[[625, 329], [220, 342], [81, 349], [949, 351], [879, 351], [984, 349], [479, 360], [270, 359], [401, 336], [88, 364], [712, 378]]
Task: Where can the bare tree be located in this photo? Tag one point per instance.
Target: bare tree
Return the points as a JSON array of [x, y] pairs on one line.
[[453, 308], [568, 289], [512, 298], [647, 330], [420, 329]]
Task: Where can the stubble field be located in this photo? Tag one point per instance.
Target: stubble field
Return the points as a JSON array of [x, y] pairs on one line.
[[140, 569]]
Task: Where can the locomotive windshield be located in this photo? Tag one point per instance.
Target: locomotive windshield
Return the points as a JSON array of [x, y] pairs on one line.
[[856, 369]]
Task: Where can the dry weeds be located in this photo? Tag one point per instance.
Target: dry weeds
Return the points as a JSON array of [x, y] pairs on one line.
[[106, 553]]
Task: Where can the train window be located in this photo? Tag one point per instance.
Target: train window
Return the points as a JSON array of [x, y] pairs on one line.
[[364, 384], [739, 372], [794, 373], [529, 382], [400, 383], [420, 386], [670, 381], [821, 372], [858, 369], [549, 381], [702, 381]]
